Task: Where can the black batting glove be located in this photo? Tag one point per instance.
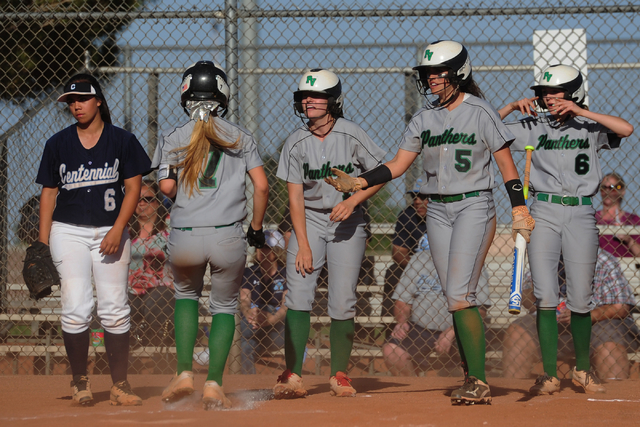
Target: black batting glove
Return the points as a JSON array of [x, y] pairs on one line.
[[255, 238]]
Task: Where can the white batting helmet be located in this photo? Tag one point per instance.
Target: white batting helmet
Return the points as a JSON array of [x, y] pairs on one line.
[[320, 81], [562, 77], [447, 54]]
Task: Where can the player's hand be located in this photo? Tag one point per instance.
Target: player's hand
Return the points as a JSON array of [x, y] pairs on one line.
[[255, 238], [400, 331], [562, 107], [342, 211], [445, 341], [111, 242], [523, 223], [526, 106], [304, 260], [343, 182]]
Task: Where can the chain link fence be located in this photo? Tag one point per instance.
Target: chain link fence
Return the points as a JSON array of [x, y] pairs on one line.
[[139, 50]]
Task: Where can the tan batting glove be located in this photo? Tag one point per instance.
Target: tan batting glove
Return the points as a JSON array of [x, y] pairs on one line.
[[523, 222], [343, 182]]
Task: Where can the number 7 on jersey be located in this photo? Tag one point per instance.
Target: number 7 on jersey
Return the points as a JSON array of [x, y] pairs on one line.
[[515, 297]]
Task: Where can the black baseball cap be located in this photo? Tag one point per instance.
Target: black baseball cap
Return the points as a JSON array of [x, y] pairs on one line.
[[77, 88]]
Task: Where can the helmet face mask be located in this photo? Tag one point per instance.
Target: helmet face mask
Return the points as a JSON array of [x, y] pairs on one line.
[[446, 55], [204, 84], [322, 83]]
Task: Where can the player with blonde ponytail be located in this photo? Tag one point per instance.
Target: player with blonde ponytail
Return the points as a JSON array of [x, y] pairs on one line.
[[212, 156]]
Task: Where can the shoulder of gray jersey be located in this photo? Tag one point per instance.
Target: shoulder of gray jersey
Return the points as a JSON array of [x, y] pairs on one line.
[[354, 131], [169, 139]]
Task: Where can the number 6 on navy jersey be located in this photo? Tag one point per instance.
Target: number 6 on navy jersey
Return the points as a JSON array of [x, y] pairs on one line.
[[109, 199]]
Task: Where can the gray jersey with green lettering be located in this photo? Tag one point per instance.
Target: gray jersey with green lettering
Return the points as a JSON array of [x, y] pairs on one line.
[[221, 199], [565, 160], [457, 145], [306, 160]]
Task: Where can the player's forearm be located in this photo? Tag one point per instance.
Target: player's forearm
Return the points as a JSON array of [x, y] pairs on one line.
[[297, 211], [260, 196], [47, 206], [360, 196], [130, 201], [506, 110], [619, 126], [396, 167], [507, 168], [169, 187]]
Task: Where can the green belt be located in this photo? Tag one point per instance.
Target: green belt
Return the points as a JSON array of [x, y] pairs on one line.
[[564, 200], [191, 228], [452, 198]]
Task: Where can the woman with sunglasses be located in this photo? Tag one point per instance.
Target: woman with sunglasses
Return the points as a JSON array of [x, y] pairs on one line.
[[565, 174], [150, 279], [612, 190]]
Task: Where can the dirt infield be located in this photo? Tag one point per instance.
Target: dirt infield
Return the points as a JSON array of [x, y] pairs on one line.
[[381, 401]]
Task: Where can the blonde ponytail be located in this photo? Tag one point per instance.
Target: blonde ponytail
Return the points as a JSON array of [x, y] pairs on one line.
[[196, 154]]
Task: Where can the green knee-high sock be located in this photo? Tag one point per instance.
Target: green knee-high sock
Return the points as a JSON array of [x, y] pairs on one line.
[[471, 336], [341, 340], [186, 331], [463, 359], [581, 333], [547, 325], [296, 335], [221, 333]]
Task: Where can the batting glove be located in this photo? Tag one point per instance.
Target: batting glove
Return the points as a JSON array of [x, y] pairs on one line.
[[255, 238], [523, 223], [343, 182]]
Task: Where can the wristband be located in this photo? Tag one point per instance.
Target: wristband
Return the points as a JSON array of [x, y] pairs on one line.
[[378, 175], [514, 190]]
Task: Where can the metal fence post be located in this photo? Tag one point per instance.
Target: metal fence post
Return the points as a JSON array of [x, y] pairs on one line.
[[231, 56]]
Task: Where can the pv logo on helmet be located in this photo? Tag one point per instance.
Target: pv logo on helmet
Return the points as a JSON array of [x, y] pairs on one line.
[[311, 80], [547, 76], [428, 54]]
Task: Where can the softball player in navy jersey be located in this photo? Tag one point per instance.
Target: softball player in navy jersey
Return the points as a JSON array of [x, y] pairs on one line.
[[458, 133], [91, 174], [565, 174], [326, 224], [203, 165]]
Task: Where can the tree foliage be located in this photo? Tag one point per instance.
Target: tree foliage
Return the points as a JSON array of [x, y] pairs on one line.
[[39, 53]]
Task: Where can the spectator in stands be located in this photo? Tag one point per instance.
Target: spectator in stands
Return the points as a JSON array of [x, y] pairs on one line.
[[613, 333], [411, 227], [150, 279], [424, 324], [262, 301], [612, 190]]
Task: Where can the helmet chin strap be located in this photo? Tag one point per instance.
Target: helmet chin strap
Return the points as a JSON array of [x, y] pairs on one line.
[[452, 96], [331, 121], [201, 110]]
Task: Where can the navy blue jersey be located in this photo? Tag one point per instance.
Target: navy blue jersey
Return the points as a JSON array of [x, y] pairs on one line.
[[91, 182], [267, 291]]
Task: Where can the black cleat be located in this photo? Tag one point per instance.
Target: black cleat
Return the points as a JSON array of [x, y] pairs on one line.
[[472, 391]]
